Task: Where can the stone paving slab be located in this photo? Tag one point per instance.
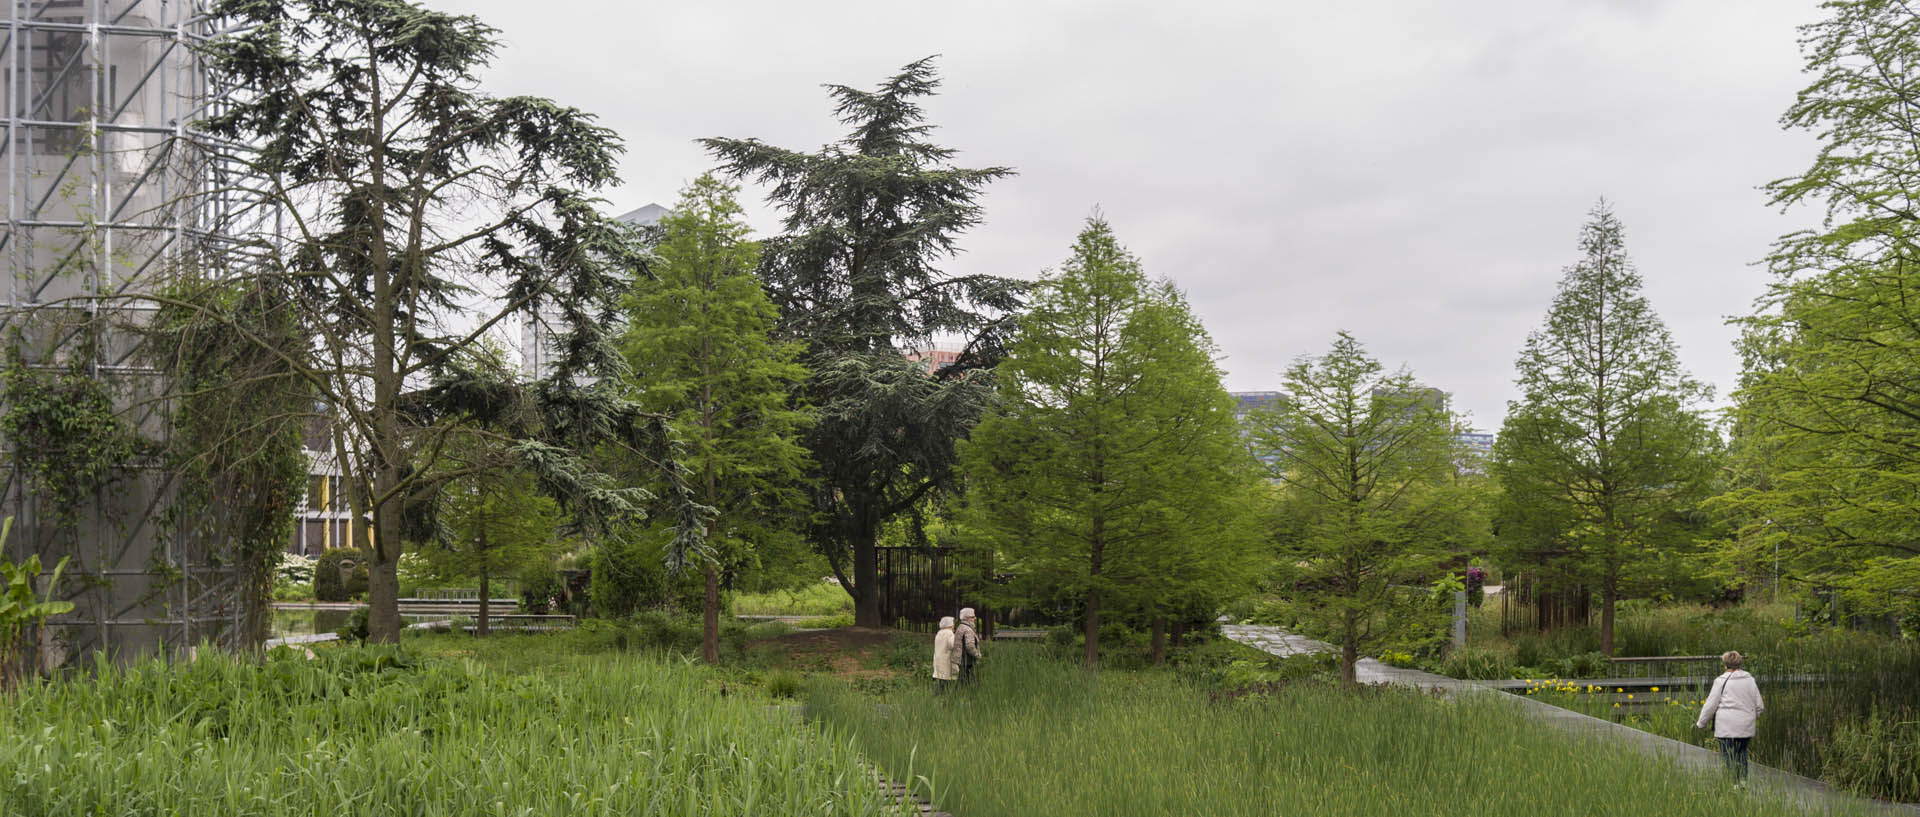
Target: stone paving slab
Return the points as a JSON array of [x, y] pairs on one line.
[[1805, 792]]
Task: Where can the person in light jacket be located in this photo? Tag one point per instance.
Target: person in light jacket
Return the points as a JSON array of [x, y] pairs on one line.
[[1733, 704], [967, 641], [945, 656]]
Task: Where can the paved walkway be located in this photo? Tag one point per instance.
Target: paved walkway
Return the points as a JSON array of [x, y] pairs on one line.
[[1804, 791]]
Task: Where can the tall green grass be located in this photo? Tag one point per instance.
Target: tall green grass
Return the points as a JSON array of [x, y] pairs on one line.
[[379, 732], [1037, 736], [1858, 728], [820, 599]]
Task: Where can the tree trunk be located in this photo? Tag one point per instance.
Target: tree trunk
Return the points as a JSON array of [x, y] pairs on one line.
[[866, 580], [1178, 632], [383, 600], [1349, 651], [1609, 593], [1093, 628], [1159, 654], [710, 630], [486, 592]]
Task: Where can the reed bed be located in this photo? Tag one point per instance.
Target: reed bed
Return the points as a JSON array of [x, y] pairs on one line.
[[1038, 736], [379, 732]]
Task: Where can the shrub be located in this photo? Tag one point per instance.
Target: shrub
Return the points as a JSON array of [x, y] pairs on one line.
[[340, 575], [355, 629], [629, 575], [826, 622]]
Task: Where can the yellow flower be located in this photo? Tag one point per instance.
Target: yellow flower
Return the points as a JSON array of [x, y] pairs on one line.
[[1617, 689], [1656, 689], [1616, 706], [1629, 696]]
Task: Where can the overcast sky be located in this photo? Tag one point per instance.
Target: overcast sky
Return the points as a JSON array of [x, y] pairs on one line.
[[1413, 172]]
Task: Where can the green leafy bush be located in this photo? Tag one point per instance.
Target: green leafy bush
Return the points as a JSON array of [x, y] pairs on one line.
[[340, 575], [826, 622]]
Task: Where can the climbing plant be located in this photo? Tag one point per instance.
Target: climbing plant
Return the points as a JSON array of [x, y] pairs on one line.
[[65, 435], [239, 405]]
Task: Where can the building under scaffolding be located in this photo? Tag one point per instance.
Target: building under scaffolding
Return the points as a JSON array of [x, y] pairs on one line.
[[108, 186]]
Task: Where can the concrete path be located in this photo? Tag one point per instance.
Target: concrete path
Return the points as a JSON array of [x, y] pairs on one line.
[[1803, 791]]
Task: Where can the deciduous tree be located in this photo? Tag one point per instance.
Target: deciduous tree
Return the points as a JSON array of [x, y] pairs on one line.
[[1828, 409], [699, 341], [1113, 469], [1363, 458], [1605, 451]]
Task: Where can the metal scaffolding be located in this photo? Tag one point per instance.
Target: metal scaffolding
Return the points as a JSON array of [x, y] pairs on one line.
[[110, 187]]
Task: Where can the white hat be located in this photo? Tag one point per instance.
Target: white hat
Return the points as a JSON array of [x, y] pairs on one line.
[[966, 613]]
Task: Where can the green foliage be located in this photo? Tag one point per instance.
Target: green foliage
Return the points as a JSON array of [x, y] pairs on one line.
[[22, 611], [1604, 457], [355, 628], [855, 276], [1877, 755], [233, 444], [630, 575], [1120, 745], [63, 430], [340, 575], [415, 191], [783, 684], [817, 599], [1825, 413], [698, 343], [826, 622], [592, 736], [1364, 460], [1112, 470]]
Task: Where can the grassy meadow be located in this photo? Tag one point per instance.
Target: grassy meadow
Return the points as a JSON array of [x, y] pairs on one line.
[[367, 731], [1858, 727], [1040, 736]]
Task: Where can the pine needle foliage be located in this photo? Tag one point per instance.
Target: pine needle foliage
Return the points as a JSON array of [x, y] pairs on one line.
[[856, 275]]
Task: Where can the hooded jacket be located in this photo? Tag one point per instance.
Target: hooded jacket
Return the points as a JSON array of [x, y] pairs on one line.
[[945, 655], [1732, 705]]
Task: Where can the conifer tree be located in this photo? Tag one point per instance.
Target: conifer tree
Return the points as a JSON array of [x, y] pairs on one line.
[[408, 196], [1113, 470], [856, 277], [699, 344], [1605, 451], [1363, 458]]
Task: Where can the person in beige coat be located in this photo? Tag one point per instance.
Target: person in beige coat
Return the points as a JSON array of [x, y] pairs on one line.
[[1734, 705], [946, 656]]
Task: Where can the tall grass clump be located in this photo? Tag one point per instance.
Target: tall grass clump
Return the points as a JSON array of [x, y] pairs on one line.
[[380, 732], [1037, 736]]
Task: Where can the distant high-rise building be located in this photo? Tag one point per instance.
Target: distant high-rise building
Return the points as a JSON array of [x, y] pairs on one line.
[[539, 339]]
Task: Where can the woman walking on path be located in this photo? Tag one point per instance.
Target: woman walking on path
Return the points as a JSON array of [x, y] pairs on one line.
[[1733, 704], [945, 648]]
